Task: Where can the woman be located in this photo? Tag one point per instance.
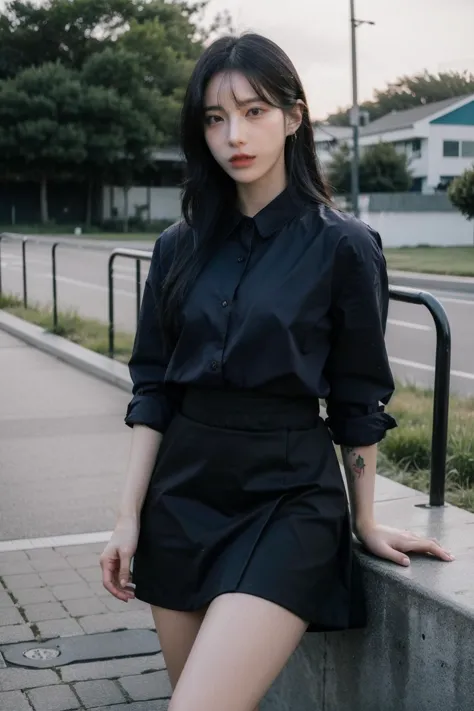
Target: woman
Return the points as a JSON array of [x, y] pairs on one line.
[[262, 301]]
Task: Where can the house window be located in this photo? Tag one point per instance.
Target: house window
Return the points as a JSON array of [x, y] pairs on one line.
[[416, 148], [417, 185], [444, 183], [451, 149], [467, 149]]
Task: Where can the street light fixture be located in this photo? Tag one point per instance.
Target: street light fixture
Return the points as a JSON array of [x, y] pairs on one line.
[[354, 116]]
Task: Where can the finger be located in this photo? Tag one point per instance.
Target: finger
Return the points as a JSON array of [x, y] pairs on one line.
[[109, 576], [394, 555], [124, 572], [430, 546]]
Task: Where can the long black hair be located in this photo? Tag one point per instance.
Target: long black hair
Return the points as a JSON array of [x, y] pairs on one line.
[[208, 190]]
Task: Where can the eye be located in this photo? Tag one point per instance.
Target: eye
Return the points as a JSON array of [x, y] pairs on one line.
[[211, 120], [255, 111]]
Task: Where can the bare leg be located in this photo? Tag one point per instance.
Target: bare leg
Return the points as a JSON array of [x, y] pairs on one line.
[[177, 632], [243, 644]]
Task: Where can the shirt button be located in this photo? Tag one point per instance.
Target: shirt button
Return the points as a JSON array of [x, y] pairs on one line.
[[225, 303], [214, 365]]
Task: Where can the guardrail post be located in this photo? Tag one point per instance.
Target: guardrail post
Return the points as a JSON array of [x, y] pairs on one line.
[[138, 255], [439, 443], [439, 437], [23, 251], [138, 286], [111, 304], [1, 237], [55, 293]]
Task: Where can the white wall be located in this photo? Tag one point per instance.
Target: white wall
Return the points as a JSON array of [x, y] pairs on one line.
[[400, 229], [165, 202], [438, 165], [431, 164]]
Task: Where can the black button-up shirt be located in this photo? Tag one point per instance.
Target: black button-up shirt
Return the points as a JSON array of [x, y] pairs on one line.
[[294, 302]]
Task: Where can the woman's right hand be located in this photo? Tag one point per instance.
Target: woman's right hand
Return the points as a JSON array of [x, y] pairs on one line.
[[116, 558]]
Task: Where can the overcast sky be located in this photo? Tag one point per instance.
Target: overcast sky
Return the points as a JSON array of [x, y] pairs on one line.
[[409, 36]]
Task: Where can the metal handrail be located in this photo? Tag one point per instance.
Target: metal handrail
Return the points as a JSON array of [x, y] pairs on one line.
[[24, 241], [439, 437], [138, 255]]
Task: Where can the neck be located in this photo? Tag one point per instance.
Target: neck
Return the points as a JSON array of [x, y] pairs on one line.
[[255, 196]]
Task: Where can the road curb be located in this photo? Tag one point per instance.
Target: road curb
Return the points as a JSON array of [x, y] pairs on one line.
[[436, 282], [106, 369]]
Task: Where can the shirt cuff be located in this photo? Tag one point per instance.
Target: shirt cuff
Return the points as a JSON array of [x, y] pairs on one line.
[[155, 412], [360, 431]]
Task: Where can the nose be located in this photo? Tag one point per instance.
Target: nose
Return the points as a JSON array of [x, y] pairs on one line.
[[236, 132]]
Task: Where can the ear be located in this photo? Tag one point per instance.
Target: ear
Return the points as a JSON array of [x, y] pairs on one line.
[[294, 118]]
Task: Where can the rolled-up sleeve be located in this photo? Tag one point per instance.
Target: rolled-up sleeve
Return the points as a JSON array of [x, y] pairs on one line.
[[151, 404], [358, 370]]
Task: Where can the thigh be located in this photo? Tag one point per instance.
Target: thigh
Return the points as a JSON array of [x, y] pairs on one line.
[[176, 631], [242, 645]]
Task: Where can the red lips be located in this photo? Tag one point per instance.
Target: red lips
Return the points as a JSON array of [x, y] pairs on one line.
[[241, 160], [241, 156]]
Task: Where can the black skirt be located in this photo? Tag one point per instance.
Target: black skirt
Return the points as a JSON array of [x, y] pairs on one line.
[[247, 496]]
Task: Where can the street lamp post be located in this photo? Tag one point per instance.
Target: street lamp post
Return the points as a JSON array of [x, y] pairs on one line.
[[355, 120]]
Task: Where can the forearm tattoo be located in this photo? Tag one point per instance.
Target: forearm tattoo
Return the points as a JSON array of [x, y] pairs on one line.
[[355, 461]]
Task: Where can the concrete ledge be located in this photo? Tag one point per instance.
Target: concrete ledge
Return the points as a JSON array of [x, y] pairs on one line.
[[82, 358], [417, 654]]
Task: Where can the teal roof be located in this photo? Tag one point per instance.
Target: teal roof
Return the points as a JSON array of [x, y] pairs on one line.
[[464, 116]]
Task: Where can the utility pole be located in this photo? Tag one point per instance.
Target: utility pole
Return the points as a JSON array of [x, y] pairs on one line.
[[355, 118]]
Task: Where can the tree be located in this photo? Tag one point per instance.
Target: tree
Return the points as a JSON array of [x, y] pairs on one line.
[[70, 31], [407, 92], [52, 124], [381, 170], [339, 170], [91, 88], [40, 135], [461, 193]]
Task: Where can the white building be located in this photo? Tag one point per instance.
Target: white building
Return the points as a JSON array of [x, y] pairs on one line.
[[437, 138]]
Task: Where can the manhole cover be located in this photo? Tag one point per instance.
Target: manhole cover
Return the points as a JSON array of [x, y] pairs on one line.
[[43, 654]]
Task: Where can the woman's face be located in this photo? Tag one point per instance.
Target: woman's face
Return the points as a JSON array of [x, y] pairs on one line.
[[249, 128]]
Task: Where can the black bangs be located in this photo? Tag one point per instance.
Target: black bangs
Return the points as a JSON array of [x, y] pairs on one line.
[[256, 84]]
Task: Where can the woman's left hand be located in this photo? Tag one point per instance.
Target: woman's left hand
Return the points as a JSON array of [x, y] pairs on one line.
[[394, 543]]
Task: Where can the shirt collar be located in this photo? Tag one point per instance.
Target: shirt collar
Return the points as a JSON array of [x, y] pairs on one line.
[[272, 217]]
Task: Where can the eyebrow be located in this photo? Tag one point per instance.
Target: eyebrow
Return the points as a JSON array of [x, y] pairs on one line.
[[252, 100]]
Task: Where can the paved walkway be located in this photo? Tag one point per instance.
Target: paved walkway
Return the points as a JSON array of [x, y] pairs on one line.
[[62, 449]]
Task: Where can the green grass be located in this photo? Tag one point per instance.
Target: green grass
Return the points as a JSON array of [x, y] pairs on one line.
[[89, 333], [405, 453], [456, 261]]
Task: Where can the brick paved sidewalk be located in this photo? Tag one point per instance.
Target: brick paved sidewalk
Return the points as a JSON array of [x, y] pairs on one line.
[[46, 593]]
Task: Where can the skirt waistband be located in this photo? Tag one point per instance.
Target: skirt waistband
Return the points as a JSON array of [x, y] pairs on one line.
[[247, 409]]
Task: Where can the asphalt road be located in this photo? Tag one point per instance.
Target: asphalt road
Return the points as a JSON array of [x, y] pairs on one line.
[[82, 285]]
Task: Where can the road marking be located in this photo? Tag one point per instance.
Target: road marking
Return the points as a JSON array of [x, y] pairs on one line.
[[74, 539], [423, 366], [88, 285], [85, 284], [450, 300], [409, 324]]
